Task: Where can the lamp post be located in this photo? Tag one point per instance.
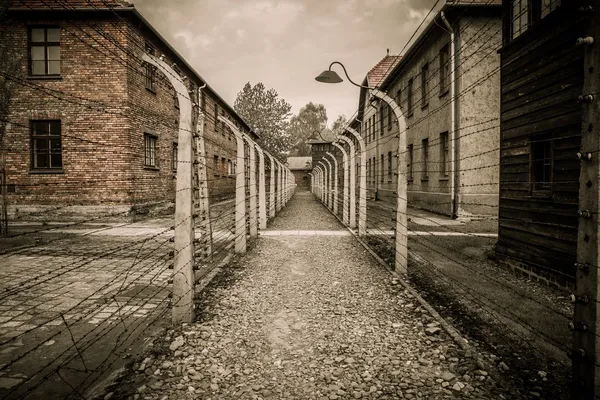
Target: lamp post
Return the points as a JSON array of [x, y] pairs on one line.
[[401, 262]]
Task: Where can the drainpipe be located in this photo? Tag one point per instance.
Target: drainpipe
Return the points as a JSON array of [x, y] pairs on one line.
[[453, 113]]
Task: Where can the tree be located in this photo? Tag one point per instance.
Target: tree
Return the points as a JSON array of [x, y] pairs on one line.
[[312, 117], [339, 125], [268, 115], [9, 68]]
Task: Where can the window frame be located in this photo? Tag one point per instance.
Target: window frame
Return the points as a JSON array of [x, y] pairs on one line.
[[389, 117], [382, 110], [150, 153], [45, 44], [382, 177], [542, 138], [174, 156], [424, 85], [390, 166], [444, 153], [409, 98], [425, 159], [33, 137], [444, 70], [410, 163]]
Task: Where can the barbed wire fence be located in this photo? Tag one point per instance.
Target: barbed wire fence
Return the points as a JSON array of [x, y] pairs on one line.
[[491, 306], [79, 298]]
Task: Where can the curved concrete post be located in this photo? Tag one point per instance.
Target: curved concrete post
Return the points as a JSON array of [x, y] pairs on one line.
[[252, 212], [362, 185], [262, 190], [335, 183], [240, 189], [312, 182], [272, 185], [183, 263], [345, 187], [279, 185], [325, 183], [320, 181], [352, 194], [401, 263], [329, 183]]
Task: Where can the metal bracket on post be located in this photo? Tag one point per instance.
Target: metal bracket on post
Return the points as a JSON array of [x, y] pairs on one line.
[[183, 266], [240, 188]]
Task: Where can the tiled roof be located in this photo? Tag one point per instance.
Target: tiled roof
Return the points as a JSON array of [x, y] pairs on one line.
[[299, 163], [70, 4], [378, 73]]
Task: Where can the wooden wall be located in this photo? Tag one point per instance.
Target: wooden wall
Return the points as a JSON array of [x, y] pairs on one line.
[[541, 78]]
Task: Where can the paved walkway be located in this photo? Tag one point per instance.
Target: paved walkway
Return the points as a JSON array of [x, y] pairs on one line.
[[312, 316]]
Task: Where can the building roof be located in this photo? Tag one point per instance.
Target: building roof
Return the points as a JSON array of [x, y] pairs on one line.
[[433, 22], [299, 163], [120, 6], [378, 73]]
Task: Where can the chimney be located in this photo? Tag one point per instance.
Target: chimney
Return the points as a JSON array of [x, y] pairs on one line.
[[388, 52]]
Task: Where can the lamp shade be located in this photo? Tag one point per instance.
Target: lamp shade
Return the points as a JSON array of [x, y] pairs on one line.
[[329, 77]]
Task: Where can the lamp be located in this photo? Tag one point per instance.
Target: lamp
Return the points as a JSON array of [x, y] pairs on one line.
[[330, 76]]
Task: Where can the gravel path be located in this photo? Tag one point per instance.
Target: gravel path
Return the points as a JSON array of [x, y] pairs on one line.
[[312, 317]]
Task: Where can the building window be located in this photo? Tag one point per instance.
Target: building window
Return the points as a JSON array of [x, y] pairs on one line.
[[216, 165], [409, 97], [229, 168], [369, 170], [390, 112], [175, 148], [223, 164], [382, 175], [150, 150], [390, 173], [425, 159], [375, 170], [444, 69], [409, 167], [223, 125], [44, 51], [216, 116], [541, 164], [382, 110], [518, 17], [444, 154], [46, 147], [399, 97], [424, 85]]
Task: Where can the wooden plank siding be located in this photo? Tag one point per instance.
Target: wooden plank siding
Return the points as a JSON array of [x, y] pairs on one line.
[[541, 78]]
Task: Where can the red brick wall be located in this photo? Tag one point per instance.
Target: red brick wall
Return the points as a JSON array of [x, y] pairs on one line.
[[89, 100]]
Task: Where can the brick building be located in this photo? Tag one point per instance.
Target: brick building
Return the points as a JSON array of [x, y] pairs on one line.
[[300, 167], [91, 124]]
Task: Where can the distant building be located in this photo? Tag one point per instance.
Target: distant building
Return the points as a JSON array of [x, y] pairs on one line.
[[420, 82], [91, 123], [300, 167]]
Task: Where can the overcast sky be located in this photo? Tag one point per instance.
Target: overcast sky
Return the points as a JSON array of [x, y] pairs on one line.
[[286, 43]]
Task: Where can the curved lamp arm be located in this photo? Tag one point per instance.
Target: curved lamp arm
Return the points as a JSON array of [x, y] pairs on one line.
[[347, 77]]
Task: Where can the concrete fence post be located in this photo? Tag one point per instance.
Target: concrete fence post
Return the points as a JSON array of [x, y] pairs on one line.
[[330, 179], [352, 170], [335, 183], [262, 197], [272, 177], [345, 186], [362, 195], [183, 265], [240, 189], [253, 211]]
